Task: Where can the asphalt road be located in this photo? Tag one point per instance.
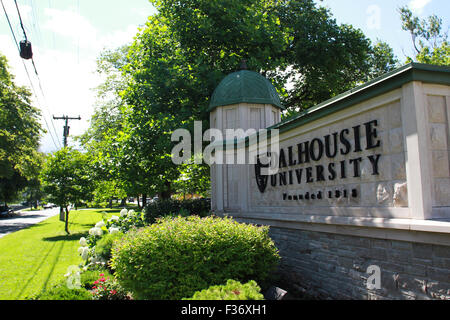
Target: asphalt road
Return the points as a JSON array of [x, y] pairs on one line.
[[24, 220]]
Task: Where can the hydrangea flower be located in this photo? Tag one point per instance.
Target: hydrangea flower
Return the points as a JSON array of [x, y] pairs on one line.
[[100, 224], [114, 218], [96, 231], [113, 230], [123, 212], [84, 251], [83, 242]]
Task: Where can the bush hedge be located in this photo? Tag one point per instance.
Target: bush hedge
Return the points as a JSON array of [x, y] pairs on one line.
[[104, 245], [171, 207], [62, 292], [175, 257], [233, 290]]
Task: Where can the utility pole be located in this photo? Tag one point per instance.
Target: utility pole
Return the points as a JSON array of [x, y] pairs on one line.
[[65, 135], [66, 126]]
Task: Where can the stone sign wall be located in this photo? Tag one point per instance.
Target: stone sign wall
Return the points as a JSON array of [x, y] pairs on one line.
[[354, 160], [363, 179]]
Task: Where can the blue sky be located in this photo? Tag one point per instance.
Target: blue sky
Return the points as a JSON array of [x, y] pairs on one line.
[[379, 19], [68, 35]]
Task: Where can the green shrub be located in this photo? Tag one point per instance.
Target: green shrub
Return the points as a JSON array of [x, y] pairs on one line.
[[161, 208], [233, 290], [104, 245], [175, 257], [62, 292]]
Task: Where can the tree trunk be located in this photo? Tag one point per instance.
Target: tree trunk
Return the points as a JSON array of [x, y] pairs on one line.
[[123, 202], [67, 221], [144, 200], [61, 214], [166, 193], [110, 203], [138, 203]]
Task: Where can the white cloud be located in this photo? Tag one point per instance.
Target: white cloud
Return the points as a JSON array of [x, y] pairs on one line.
[[72, 25], [69, 23], [417, 6], [66, 69]]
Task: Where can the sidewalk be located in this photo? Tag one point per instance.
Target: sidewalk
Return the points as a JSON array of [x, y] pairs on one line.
[[24, 220]]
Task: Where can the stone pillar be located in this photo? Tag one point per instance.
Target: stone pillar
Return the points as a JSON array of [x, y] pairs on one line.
[[418, 166]]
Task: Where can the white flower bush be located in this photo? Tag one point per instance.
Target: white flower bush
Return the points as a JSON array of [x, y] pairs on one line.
[[122, 223], [83, 242], [114, 219], [96, 231], [84, 252], [113, 230], [100, 224]]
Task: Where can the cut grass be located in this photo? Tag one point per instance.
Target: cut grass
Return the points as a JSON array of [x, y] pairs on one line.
[[37, 257]]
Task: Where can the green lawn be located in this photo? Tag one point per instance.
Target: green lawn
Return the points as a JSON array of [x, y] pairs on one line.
[[33, 259]]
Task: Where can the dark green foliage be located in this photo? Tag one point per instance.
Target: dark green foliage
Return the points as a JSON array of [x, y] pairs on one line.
[[20, 131], [175, 257], [62, 292], [161, 208], [105, 244], [66, 178], [233, 290]]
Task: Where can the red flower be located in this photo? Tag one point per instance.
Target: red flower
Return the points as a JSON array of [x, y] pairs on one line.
[[102, 279], [96, 281], [94, 287], [113, 291], [101, 274]]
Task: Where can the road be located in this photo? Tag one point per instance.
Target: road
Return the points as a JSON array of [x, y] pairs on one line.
[[25, 219]]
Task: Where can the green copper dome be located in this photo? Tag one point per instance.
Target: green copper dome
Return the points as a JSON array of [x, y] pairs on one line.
[[244, 86]]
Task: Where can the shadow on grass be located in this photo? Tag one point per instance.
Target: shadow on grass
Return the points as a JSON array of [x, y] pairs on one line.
[[55, 262], [66, 237], [35, 272]]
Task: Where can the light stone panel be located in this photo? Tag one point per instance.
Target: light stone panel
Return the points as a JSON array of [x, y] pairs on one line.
[[372, 190], [438, 148]]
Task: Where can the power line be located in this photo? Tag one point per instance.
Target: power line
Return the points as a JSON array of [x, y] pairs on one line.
[[35, 69], [20, 19], [27, 73], [34, 66]]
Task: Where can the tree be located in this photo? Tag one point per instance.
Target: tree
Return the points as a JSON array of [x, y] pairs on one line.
[[66, 179], [20, 132], [382, 59], [194, 179], [186, 49], [430, 42], [34, 192], [108, 139]]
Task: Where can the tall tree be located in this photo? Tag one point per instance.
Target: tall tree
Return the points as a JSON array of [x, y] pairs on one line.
[[184, 51], [108, 138], [429, 40], [67, 179], [20, 132], [33, 191]]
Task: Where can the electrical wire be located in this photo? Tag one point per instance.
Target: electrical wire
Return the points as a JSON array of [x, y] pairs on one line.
[[34, 67], [20, 19], [27, 73]]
